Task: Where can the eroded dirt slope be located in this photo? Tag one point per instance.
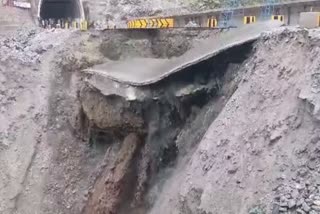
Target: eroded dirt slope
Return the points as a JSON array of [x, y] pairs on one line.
[[25, 154], [261, 154]]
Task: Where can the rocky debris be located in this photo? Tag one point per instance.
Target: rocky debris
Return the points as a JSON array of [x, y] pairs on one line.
[[111, 113], [27, 45], [299, 199], [120, 11], [257, 210], [176, 42], [118, 45], [268, 128], [111, 49]]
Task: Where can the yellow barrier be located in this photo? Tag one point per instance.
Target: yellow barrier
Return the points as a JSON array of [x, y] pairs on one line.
[[278, 17], [150, 23], [212, 23], [249, 19], [84, 25], [74, 24]]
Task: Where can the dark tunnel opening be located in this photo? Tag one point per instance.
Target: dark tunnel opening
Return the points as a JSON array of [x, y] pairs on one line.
[[60, 9]]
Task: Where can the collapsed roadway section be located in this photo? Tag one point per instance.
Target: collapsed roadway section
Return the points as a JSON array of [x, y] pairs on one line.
[[159, 108], [146, 71]]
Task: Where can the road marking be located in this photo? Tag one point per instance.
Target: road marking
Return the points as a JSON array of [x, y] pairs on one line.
[[144, 23], [151, 23]]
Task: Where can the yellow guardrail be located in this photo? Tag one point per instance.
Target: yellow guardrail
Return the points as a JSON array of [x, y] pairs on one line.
[[84, 25], [278, 17], [249, 19], [212, 23], [151, 23], [156, 23]]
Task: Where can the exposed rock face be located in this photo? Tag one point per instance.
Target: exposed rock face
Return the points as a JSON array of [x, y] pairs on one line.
[[112, 113], [123, 9], [120, 45], [114, 186]]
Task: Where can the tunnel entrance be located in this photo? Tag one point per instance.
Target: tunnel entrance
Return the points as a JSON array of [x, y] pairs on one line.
[[60, 9]]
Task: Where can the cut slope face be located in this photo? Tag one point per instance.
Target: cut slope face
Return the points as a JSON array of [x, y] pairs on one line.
[[12, 18], [260, 147]]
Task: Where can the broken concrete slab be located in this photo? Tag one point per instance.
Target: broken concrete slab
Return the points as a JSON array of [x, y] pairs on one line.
[[146, 71]]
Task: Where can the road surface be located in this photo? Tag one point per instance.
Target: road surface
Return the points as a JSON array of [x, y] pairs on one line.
[[145, 71]]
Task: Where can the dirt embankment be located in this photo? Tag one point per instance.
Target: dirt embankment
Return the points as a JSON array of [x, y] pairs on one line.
[[261, 153]]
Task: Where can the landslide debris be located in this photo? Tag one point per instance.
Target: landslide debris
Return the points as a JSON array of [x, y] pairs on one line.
[[170, 116], [27, 45], [260, 155], [119, 45], [60, 168], [238, 133]]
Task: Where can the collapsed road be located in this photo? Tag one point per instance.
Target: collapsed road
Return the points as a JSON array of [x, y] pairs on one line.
[[148, 70], [159, 103], [157, 114], [233, 128]]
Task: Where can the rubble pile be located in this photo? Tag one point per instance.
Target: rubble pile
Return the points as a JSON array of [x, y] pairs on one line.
[[27, 45], [301, 198]]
